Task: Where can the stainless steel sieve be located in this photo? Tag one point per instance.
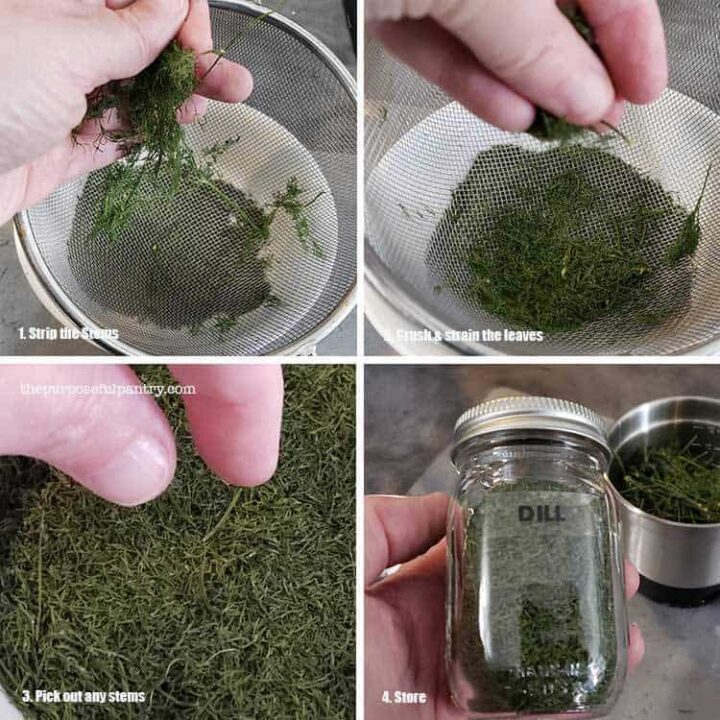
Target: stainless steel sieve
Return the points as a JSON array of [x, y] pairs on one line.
[[420, 146], [300, 122], [680, 556]]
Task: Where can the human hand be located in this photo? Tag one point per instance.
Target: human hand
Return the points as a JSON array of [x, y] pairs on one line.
[[122, 447], [501, 58], [405, 613], [53, 54]]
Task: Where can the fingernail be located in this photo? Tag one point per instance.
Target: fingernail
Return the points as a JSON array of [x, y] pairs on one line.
[[137, 474], [589, 99]]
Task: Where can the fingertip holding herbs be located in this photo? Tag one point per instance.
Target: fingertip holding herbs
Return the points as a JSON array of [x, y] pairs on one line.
[[159, 165], [549, 127]]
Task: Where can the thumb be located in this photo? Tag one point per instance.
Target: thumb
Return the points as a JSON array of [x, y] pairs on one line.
[[131, 35], [119, 446], [399, 529]]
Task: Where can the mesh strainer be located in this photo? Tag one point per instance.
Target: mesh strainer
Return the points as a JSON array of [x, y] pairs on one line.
[[165, 294], [420, 146]]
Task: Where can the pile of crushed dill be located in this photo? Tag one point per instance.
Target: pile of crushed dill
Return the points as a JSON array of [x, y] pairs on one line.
[[675, 484], [213, 614], [561, 238], [145, 225]]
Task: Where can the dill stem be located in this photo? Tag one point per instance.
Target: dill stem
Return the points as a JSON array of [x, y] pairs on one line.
[[617, 131], [222, 53], [704, 188], [39, 573], [228, 201], [225, 515], [314, 200]]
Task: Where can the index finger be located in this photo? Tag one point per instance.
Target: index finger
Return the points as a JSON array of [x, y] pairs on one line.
[[531, 46], [228, 81], [631, 37], [235, 418], [632, 580]]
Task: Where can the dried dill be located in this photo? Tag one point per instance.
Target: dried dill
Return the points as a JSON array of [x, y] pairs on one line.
[[552, 128], [216, 602], [152, 137], [675, 484], [551, 245], [543, 658], [292, 203]]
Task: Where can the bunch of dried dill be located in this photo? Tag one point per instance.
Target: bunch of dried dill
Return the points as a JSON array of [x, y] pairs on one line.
[[550, 244], [170, 209], [216, 602], [676, 484]]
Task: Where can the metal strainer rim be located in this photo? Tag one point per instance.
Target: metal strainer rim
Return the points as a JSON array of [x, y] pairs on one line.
[[61, 306]]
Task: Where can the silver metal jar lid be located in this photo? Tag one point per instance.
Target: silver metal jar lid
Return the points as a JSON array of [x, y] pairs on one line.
[[531, 413]]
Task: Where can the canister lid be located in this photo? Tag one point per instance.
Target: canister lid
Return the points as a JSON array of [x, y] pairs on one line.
[[531, 413]]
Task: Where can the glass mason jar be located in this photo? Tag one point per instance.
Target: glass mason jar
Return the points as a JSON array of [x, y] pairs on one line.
[[536, 620]]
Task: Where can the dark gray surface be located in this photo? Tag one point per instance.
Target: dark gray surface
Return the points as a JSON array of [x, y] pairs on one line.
[[410, 413], [19, 305], [326, 20], [374, 344], [411, 410]]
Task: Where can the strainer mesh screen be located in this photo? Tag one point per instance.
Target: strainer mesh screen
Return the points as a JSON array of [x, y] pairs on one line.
[[420, 146], [158, 291]]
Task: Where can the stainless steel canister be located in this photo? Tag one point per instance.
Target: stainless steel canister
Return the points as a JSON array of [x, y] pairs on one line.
[[670, 554]]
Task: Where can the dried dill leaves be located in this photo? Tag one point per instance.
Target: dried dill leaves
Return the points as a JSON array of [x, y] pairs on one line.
[[217, 602], [146, 107], [561, 238], [675, 484]]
